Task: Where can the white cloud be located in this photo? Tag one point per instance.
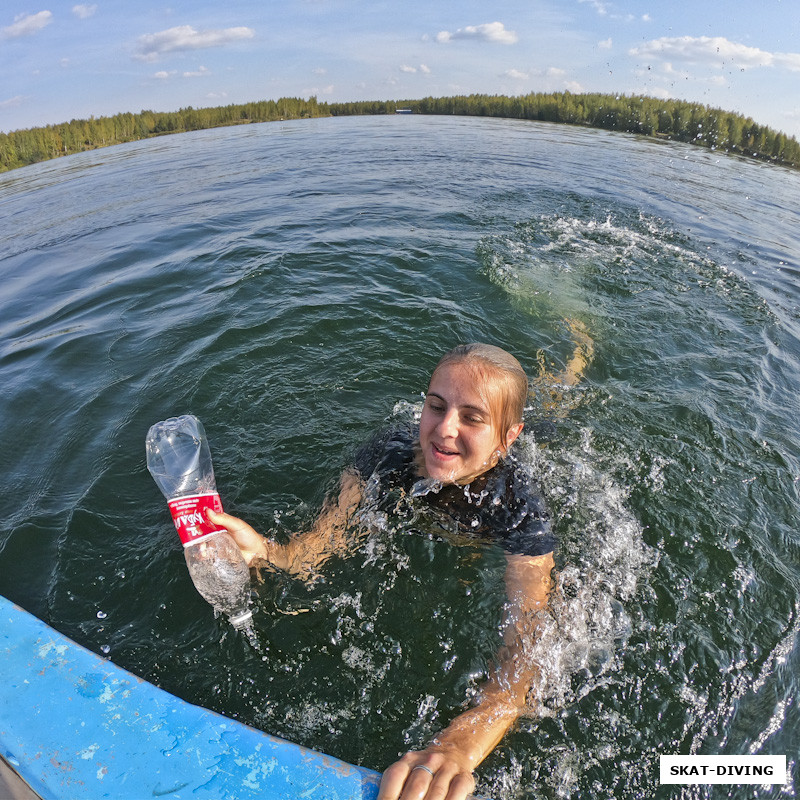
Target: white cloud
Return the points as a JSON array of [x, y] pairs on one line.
[[600, 7], [425, 70], [200, 72], [83, 11], [606, 44], [316, 91], [609, 10], [516, 75], [494, 32], [320, 71], [715, 50], [185, 37], [28, 24], [555, 72], [574, 87], [790, 61], [12, 102]]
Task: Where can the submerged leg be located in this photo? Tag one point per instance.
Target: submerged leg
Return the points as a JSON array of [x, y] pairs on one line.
[[553, 386]]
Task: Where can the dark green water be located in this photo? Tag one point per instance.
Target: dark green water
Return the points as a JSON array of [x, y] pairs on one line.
[[293, 284]]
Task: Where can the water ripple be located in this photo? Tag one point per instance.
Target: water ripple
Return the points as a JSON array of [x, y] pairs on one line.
[[294, 283]]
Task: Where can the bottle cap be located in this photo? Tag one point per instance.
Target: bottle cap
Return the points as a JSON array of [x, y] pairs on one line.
[[240, 619]]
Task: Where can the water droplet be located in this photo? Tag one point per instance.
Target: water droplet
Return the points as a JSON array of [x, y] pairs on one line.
[[105, 649], [101, 615]]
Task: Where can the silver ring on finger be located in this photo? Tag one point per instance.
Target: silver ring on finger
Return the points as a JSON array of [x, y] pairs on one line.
[[422, 766]]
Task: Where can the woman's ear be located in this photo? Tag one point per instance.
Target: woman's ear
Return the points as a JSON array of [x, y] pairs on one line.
[[513, 432]]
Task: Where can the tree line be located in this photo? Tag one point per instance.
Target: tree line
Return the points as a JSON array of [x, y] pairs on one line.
[[669, 119]]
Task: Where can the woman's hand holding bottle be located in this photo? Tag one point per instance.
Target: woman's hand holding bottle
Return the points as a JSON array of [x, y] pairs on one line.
[[254, 546]]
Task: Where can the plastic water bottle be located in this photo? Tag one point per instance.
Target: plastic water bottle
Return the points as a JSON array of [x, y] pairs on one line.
[[179, 459]]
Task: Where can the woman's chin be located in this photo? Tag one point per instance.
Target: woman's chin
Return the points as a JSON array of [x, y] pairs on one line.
[[446, 473]]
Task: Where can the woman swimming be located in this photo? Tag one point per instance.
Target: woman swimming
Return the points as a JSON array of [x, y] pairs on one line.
[[455, 462]]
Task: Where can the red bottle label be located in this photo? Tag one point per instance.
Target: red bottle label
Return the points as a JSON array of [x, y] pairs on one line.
[[189, 517]]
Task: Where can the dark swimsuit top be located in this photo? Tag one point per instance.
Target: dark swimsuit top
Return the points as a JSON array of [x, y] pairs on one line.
[[503, 505]]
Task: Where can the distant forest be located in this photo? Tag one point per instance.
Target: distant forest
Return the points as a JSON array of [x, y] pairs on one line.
[[668, 119]]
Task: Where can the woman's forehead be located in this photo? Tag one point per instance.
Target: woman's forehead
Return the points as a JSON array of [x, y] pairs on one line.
[[469, 380]]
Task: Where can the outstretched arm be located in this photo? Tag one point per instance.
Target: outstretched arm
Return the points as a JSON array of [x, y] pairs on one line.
[[305, 552], [444, 768]]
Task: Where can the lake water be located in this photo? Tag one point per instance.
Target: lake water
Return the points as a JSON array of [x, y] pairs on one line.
[[293, 285]]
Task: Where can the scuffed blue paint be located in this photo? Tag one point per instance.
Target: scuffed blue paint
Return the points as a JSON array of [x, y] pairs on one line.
[[76, 727]]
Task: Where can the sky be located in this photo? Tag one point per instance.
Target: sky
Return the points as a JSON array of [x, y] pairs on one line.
[[61, 60]]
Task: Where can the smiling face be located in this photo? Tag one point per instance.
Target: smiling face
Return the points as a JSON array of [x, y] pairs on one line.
[[458, 432]]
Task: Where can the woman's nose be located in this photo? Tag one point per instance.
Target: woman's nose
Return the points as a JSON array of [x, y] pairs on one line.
[[448, 425]]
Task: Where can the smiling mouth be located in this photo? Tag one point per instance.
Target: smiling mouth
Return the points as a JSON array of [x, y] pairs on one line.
[[441, 451]]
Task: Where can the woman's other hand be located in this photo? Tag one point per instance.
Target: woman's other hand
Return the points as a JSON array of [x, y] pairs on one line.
[[430, 774]]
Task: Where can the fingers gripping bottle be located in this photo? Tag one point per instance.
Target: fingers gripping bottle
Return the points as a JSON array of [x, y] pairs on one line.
[[179, 459]]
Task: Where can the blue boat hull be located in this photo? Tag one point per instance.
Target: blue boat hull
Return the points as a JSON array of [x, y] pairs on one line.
[[76, 727]]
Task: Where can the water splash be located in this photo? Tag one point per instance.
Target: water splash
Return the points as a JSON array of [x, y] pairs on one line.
[[426, 486], [563, 265], [600, 563]]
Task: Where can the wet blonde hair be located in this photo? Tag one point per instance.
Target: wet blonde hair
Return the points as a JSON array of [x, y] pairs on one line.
[[503, 376]]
